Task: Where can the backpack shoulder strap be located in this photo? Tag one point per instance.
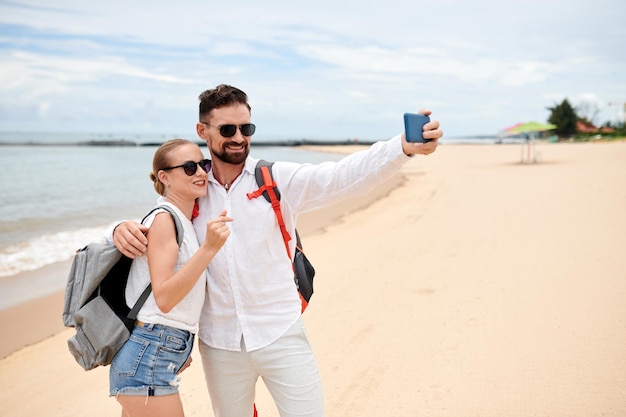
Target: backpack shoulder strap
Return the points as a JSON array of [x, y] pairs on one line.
[[258, 173], [179, 239], [177, 224], [264, 186], [269, 189]]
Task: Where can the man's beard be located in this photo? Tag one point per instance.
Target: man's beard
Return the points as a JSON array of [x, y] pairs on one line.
[[230, 158]]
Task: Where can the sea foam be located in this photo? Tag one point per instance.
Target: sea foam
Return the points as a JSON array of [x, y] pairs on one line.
[[47, 249]]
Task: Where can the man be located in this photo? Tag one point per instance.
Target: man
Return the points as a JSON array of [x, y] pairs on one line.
[[251, 322]]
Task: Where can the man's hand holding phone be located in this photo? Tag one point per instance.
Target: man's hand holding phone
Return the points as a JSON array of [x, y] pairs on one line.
[[421, 135]]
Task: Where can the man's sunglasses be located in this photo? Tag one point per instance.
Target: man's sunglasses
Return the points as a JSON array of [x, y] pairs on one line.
[[228, 131], [191, 167]]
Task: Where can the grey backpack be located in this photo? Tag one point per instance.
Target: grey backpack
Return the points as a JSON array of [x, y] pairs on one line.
[[95, 301]]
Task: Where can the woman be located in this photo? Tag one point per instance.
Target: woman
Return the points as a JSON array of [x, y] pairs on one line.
[[143, 374]]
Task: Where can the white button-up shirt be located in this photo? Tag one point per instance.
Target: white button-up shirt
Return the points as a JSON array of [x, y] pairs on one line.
[[250, 286]]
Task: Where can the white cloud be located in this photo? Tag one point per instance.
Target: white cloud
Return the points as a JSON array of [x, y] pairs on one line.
[[350, 66]]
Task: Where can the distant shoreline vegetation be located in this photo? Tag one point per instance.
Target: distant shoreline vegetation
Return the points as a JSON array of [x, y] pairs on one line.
[[125, 142]]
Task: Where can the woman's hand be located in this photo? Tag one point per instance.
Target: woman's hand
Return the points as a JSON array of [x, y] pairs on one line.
[[217, 231]]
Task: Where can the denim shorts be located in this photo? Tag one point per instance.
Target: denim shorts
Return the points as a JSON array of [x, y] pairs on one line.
[[148, 363]]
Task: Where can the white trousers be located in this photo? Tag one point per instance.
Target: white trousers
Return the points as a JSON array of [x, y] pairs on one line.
[[287, 367]]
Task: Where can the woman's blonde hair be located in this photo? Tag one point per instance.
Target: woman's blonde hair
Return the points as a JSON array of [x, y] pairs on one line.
[[161, 161]]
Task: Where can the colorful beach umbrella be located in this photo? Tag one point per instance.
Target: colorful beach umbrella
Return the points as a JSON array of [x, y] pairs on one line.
[[529, 127], [506, 129]]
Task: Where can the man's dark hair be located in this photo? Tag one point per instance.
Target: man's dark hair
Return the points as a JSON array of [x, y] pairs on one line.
[[221, 96]]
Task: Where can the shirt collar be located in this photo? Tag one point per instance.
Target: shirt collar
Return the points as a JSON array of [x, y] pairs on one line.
[[250, 165]]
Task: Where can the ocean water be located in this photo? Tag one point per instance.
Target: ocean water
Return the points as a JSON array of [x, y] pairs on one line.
[[56, 199]]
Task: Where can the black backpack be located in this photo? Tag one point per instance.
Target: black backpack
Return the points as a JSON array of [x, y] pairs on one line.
[[302, 268]]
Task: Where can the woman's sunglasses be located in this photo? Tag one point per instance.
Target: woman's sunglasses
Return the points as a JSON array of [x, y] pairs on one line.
[[228, 131], [191, 167]]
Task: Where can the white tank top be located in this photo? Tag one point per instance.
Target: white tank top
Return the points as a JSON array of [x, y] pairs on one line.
[[186, 313]]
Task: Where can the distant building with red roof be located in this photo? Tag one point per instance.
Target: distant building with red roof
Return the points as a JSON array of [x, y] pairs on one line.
[[586, 127]]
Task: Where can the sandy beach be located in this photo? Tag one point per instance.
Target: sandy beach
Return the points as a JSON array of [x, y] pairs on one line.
[[469, 285]]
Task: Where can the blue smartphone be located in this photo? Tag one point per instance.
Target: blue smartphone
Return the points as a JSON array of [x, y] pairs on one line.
[[414, 127]]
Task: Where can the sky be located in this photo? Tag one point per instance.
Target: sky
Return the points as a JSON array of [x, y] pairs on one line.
[[314, 69]]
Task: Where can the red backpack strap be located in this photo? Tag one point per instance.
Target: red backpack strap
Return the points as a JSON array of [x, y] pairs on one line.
[[269, 186], [269, 189]]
